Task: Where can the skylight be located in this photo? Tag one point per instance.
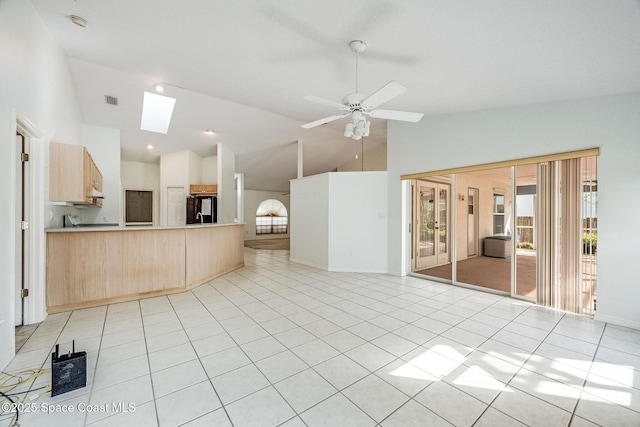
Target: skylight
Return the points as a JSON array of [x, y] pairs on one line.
[[156, 112]]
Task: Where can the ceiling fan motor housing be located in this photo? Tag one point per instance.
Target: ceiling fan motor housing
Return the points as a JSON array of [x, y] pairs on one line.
[[354, 100]]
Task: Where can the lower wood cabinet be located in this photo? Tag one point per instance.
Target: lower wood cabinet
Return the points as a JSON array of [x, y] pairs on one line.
[[96, 267]]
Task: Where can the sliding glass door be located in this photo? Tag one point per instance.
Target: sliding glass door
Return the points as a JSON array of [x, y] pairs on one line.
[[528, 230], [525, 231]]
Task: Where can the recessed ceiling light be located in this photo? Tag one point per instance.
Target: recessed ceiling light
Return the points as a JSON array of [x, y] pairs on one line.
[[156, 112], [149, 147], [209, 131], [78, 20], [159, 87]]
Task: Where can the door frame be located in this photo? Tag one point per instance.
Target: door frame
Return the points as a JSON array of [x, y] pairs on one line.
[[415, 226], [476, 220], [22, 202], [35, 303]]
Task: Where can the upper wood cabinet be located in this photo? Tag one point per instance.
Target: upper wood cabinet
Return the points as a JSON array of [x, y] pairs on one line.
[[73, 175], [204, 189]]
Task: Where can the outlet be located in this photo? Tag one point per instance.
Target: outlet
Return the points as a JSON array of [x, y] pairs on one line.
[[50, 214], [105, 218]]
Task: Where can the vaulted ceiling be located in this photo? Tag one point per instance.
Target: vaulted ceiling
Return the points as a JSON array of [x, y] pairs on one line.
[[242, 67]]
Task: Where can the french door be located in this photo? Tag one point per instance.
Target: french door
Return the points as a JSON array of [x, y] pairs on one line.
[[431, 241]]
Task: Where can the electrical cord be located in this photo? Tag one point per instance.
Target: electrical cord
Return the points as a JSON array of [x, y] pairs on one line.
[[9, 381], [16, 407], [17, 376]]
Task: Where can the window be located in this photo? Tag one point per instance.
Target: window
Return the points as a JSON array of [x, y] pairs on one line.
[[271, 218]]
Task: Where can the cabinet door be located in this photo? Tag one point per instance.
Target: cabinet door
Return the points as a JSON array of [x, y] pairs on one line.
[[210, 189], [87, 176], [96, 182], [73, 175], [66, 173]]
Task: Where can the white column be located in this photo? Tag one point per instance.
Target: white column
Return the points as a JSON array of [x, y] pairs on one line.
[[300, 158], [239, 182]]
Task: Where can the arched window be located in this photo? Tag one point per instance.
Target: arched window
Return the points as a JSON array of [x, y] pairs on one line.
[[271, 217]]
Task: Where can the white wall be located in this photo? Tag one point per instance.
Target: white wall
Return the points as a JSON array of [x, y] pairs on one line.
[[35, 83], [372, 160], [252, 199], [227, 197], [143, 176], [358, 222], [209, 170], [104, 146], [309, 221], [138, 174], [195, 168], [611, 123], [174, 172], [339, 221]]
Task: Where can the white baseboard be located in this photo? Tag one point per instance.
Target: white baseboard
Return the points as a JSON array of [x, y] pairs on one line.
[[634, 324], [298, 261], [344, 270]]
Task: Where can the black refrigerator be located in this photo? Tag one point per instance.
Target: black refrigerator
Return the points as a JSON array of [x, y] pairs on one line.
[[207, 206]]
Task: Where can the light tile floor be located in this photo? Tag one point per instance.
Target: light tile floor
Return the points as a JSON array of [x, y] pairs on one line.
[[278, 343]]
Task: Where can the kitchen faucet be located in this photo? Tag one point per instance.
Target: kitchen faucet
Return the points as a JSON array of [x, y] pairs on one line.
[[199, 214]]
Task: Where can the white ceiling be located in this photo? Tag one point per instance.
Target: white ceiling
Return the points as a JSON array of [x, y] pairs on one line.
[[242, 67]]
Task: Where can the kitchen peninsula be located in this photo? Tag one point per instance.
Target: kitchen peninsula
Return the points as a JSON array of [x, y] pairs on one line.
[[90, 266]]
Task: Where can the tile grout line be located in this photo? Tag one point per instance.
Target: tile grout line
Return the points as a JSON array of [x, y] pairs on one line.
[[490, 405], [146, 346], [586, 378]]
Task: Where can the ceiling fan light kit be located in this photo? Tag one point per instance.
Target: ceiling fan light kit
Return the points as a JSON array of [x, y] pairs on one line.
[[359, 105]]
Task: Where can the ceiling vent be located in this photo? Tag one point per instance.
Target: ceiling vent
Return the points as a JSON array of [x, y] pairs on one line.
[[111, 100]]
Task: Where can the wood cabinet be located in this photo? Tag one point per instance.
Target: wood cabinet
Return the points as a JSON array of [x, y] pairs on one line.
[[203, 189], [73, 175], [90, 267]]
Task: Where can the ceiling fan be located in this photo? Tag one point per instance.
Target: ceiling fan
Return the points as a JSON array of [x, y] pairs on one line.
[[360, 105]]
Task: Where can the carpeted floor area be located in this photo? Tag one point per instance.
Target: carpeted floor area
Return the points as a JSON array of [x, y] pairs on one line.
[[494, 273], [270, 244]]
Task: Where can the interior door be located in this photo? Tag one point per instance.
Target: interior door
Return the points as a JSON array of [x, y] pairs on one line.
[[176, 206], [431, 219]]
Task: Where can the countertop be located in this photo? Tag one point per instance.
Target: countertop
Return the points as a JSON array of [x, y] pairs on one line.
[[88, 228]]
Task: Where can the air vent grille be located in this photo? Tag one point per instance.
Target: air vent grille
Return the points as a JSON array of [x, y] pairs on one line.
[[108, 99]]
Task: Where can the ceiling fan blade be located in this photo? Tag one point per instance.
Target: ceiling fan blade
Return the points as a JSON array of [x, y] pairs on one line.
[[384, 94], [404, 116], [325, 102], [323, 121]]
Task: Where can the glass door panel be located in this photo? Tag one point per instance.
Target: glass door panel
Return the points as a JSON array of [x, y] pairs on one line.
[[526, 223], [431, 219]]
